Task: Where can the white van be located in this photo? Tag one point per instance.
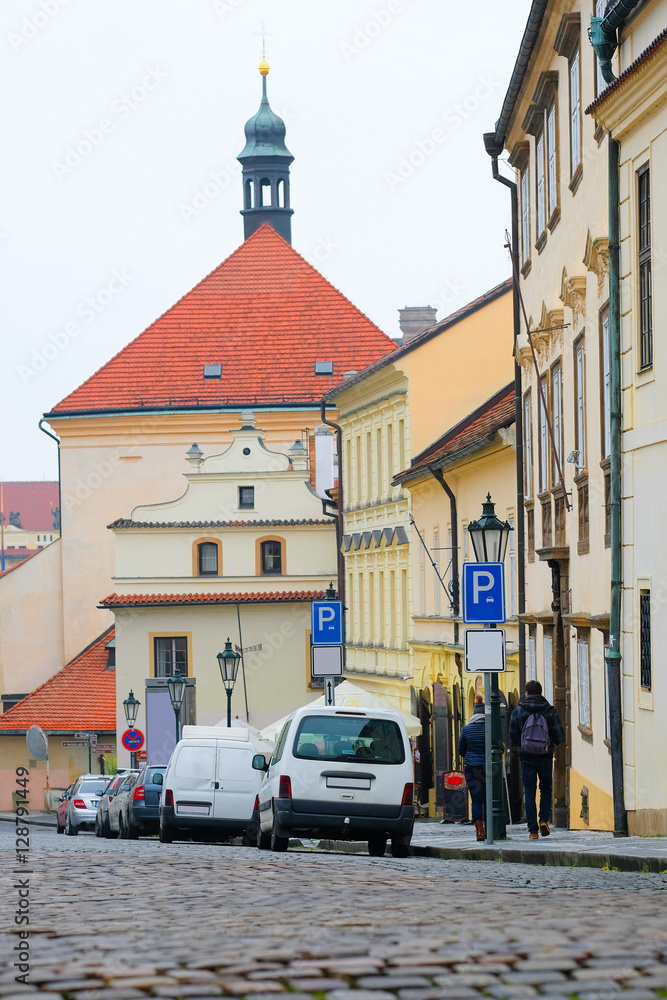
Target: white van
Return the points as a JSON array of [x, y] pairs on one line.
[[339, 773], [210, 787]]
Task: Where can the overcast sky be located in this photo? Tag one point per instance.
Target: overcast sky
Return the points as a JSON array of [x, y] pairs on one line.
[[121, 121]]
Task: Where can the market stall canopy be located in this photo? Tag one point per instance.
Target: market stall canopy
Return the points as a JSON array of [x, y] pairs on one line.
[[350, 696], [263, 744]]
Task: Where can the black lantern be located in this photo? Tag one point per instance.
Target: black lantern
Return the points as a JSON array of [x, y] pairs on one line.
[[489, 535], [131, 708], [176, 684], [228, 661]]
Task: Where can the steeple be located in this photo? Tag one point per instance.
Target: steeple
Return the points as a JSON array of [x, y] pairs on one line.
[[265, 160]]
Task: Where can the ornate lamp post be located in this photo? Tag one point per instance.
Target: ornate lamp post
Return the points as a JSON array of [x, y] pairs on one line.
[[228, 661], [176, 685], [131, 708], [489, 536]]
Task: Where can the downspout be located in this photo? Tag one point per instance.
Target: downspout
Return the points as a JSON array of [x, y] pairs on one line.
[[339, 516], [613, 655], [603, 33], [57, 440], [494, 152], [437, 473]]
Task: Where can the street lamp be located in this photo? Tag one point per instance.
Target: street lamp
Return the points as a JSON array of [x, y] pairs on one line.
[[131, 708], [228, 661], [176, 685], [489, 536]]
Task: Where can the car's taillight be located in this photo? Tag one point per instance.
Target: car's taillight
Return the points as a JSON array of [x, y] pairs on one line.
[[408, 793], [285, 787], [79, 804], [256, 805], [168, 797], [139, 793]]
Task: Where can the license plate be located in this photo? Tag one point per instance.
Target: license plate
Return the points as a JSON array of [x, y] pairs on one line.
[[95, 803], [193, 810], [362, 783]]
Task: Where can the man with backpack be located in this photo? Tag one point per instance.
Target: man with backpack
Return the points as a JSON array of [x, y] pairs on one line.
[[536, 729]]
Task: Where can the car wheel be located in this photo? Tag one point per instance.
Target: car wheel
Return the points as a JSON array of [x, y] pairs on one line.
[[71, 831], [278, 844], [377, 846], [122, 831], [59, 828], [165, 834], [400, 847], [106, 829], [263, 840], [98, 828], [131, 831]]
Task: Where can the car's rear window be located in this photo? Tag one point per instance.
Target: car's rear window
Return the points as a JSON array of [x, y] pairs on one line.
[[93, 786], [148, 775], [349, 739]]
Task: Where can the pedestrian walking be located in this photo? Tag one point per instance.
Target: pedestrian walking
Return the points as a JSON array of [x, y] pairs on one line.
[[536, 729], [471, 748]]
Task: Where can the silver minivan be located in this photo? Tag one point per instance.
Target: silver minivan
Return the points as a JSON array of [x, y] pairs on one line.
[[210, 787], [339, 773]]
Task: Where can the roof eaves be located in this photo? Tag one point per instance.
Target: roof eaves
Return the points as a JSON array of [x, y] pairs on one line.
[[528, 41], [623, 77]]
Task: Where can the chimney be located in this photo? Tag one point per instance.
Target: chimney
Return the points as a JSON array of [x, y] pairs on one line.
[[413, 320]]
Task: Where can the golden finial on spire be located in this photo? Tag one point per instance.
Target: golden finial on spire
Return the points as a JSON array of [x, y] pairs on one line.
[[264, 66]]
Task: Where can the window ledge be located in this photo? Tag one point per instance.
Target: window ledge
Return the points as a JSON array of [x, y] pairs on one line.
[[583, 547], [581, 478], [599, 133], [587, 734], [541, 242], [605, 464], [576, 179], [554, 220], [525, 268]]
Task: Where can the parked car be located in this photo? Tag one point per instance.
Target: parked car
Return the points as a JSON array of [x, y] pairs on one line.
[[342, 774], [118, 802], [83, 801], [140, 810], [61, 811], [102, 827], [210, 787]]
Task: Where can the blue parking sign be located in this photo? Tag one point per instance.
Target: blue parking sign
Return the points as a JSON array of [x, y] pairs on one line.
[[326, 627], [483, 593]]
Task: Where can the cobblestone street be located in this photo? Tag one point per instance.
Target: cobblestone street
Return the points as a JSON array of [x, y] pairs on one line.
[[128, 919]]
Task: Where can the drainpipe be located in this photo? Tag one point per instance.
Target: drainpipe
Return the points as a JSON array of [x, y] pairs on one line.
[[613, 656], [494, 151], [57, 440], [437, 473], [603, 34], [339, 516]]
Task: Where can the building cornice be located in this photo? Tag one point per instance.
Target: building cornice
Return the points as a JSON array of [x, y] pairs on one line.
[[636, 92]]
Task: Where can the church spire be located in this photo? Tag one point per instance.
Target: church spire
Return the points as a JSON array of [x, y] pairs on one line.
[[265, 160]]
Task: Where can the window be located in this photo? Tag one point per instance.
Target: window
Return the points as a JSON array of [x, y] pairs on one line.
[[544, 436], [525, 217], [547, 650], [207, 559], [404, 608], [324, 367], [575, 115], [171, 652], [360, 596], [584, 683], [358, 487], [645, 639], [280, 745], [247, 497], [559, 520], [547, 524], [600, 84], [212, 371], [645, 277], [580, 401], [390, 453], [401, 444], [527, 447], [369, 466], [393, 599], [605, 379], [272, 557], [349, 740], [371, 607], [381, 624], [583, 543], [532, 661], [557, 417], [530, 534], [552, 163], [378, 461], [539, 185], [436, 560], [422, 581]]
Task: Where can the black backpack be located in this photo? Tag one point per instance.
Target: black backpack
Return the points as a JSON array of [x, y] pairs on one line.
[[535, 735]]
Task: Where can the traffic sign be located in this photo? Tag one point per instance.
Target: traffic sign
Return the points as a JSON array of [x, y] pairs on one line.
[[329, 691], [105, 748], [132, 739], [484, 650], [326, 661], [326, 619], [74, 743], [483, 593]]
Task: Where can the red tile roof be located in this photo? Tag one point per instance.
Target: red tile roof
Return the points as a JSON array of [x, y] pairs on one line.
[[175, 600], [265, 314], [80, 696], [35, 502], [127, 522], [478, 427]]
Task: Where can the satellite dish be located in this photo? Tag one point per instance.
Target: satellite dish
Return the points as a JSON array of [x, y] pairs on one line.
[[38, 744]]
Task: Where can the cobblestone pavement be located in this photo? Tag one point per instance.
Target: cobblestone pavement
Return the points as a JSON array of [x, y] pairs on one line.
[[129, 919]]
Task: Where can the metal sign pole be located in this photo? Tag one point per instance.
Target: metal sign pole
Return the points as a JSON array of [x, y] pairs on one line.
[[488, 768]]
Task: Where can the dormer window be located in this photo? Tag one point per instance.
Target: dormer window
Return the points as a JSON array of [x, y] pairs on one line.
[[212, 371], [324, 367], [247, 497]]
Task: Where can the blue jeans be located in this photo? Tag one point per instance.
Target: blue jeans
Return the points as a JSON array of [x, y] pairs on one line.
[[476, 781], [531, 770]]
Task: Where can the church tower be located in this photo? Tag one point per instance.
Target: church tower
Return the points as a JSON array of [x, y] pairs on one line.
[[265, 160]]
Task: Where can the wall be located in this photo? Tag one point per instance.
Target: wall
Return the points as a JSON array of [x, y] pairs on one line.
[[65, 766]]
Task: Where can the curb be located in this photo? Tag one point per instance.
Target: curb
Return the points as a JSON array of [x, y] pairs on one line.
[[32, 822]]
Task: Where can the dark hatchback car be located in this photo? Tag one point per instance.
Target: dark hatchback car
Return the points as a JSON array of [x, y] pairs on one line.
[[141, 810]]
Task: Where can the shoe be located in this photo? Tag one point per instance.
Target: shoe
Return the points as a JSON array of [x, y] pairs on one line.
[[480, 829], [544, 828], [533, 836]]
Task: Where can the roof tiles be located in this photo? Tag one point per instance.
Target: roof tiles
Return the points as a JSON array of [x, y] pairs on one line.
[[34, 502], [174, 600]]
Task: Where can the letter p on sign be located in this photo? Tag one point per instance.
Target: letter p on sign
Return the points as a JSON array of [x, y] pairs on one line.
[[483, 593], [482, 580], [326, 623]]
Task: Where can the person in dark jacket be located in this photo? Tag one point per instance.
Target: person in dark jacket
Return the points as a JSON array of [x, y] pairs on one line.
[[539, 764], [471, 748]]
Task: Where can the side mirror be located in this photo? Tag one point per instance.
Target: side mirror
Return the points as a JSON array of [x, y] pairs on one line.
[[158, 778], [259, 762]]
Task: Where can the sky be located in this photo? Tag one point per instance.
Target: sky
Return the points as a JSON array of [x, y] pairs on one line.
[[121, 121]]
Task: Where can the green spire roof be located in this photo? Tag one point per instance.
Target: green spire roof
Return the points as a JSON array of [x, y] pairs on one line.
[[265, 133]]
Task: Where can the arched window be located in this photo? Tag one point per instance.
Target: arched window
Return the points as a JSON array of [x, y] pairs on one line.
[[207, 557], [265, 192], [281, 193], [248, 194], [270, 556]]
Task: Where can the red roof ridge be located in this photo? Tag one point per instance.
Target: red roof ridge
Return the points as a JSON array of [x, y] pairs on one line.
[[248, 597]]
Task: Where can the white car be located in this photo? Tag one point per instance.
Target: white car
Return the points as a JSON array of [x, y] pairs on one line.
[[82, 803], [210, 786], [342, 774]]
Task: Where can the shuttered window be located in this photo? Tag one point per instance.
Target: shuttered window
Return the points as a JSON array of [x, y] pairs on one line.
[[584, 684], [539, 183], [551, 159], [532, 662], [575, 114], [525, 216]]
